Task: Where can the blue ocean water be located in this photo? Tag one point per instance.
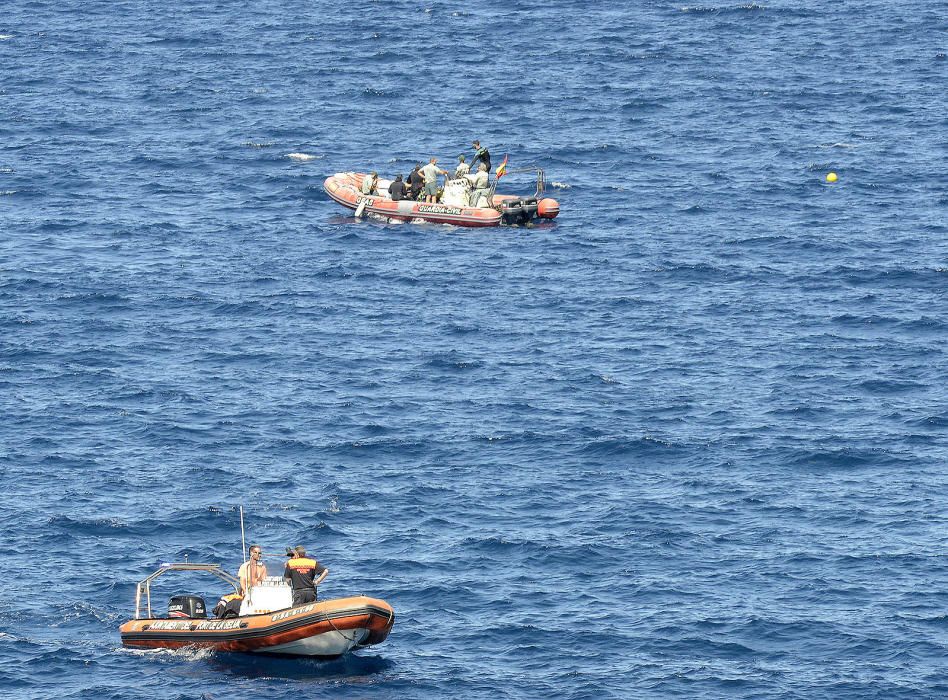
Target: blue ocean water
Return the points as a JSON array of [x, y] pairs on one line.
[[688, 440]]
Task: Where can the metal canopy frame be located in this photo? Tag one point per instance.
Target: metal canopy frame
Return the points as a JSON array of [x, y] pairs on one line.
[[541, 182], [541, 178], [144, 586]]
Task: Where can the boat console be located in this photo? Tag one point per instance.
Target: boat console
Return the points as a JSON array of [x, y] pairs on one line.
[[457, 193], [270, 595]]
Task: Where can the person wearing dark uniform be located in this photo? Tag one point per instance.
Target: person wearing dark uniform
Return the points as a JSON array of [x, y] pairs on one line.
[[480, 154], [416, 181], [397, 189], [228, 606], [304, 575]]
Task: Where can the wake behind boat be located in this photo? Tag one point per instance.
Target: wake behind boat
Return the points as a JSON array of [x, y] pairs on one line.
[[455, 205], [267, 622]]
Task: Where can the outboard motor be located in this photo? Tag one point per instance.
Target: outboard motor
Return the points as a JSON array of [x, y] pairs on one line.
[[187, 606], [515, 212]]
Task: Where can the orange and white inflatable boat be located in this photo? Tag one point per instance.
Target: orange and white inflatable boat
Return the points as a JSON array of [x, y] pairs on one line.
[[454, 207], [267, 623]]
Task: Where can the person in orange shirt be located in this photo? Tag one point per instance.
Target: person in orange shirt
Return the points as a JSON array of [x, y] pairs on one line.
[[304, 575], [228, 606]]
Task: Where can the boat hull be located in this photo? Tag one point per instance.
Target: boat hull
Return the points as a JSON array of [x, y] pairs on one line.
[[345, 188], [323, 629]]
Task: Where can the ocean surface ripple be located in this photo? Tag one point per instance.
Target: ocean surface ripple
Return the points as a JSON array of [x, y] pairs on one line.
[[688, 440]]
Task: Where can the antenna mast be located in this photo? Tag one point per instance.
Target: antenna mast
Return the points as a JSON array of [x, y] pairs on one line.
[[243, 539]]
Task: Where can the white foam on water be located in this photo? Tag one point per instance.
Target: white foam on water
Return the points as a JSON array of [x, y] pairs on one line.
[[184, 653], [301, 157], [4, 37], [560, 185]]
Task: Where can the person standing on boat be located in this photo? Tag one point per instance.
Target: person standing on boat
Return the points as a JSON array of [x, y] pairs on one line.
[[416, 182], [304, 575], [397, 189], [431, 172], [480, 154], [462, 169], [251, 572]]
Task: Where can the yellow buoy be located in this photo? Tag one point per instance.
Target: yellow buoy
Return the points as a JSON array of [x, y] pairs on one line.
[[831, 177]]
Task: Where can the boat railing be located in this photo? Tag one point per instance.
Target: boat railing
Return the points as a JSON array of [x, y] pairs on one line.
[[541, 177], [143, 589]]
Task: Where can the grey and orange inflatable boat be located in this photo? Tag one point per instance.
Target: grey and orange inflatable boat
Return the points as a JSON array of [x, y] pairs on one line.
[[266, 624], [454, 206]]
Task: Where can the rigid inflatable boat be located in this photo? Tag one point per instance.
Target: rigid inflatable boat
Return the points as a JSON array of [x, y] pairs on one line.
[[455, 206], [267, 623]]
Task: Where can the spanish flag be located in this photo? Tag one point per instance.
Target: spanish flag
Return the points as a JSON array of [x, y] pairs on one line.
[[502, 168]]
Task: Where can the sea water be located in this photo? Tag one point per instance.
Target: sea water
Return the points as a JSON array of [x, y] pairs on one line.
[[687, 440]]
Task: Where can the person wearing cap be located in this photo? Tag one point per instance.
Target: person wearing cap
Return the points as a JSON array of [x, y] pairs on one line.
[[462, 169], [304, 574], [480, 154], [251, 572], [370, 183]]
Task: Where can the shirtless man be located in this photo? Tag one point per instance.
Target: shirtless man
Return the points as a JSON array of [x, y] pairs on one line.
[[251, 572]]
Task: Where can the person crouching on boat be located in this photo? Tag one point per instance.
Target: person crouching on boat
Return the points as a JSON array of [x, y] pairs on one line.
[[480, 183], [370, 183], [431, 172], [228, 606], [251, 572], [462, 169], [304, 575], [397, 189]]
